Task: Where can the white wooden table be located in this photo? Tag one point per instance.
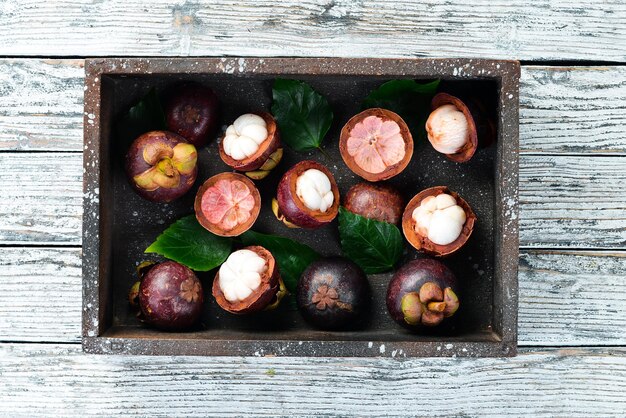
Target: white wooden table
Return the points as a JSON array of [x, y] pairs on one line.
[[572, 314]]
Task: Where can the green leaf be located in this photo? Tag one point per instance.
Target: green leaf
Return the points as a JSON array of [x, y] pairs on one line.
[[147, 115], [187, 242], [292, 257], [303, 115], [375, 246], [407, 98]]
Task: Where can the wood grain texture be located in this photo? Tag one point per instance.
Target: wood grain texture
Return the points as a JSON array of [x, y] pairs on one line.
[[573, 110], [565, 201], [41, 198], [514, 29], [41, 104], [40, 294], [574, 202], [566, 298], [572, 298], [58, 380]]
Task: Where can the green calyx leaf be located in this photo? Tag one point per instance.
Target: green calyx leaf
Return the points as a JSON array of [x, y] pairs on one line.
[[375, 246], [407, 98], [292, 257], [303, 115], [188, 243], [147, 115]]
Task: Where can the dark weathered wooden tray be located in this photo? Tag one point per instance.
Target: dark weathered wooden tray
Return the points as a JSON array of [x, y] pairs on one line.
[[119, 225]]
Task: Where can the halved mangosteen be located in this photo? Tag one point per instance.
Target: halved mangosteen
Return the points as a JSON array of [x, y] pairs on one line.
[[457, 127], [438, 221], [248, 281], [376, 144], [252, 145], [227, 204], [307, 196]]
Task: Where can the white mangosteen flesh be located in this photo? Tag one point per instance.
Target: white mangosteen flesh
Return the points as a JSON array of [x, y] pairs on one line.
[[244, 137], [439, 218], [240, 275], [314, 190], [447, 129]]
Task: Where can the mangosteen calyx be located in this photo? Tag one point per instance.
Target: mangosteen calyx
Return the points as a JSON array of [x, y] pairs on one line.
[[327, 297], [430, 305]]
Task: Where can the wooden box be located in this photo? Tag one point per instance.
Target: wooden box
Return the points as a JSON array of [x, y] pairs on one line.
[[119, 225]]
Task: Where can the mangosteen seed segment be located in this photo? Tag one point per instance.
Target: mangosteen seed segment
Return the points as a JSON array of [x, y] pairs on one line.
[[375, 201], [333, 293], [422, 294], [438, 221], [307, 196], [192, 111], [248, 281], [170, 297], [376, 144], [439, 218], [161, 166], [252, 145], [314, 190], [227, 204], [447, 129]]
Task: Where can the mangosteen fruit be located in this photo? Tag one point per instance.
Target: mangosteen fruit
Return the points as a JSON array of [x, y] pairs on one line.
[[438, 221], [457, 127], [161, 166], [252, 145], [376, 144], [375, 201], [248, 281], [192, 111], [333, 293], [422, 294], [307, 196], [170, 297], [227, 204]]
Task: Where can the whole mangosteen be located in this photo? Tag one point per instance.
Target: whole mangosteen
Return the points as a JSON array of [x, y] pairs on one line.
[[192, 111], [170, 297], [375, 201], [422, 294], [161, 166], [333, 293]]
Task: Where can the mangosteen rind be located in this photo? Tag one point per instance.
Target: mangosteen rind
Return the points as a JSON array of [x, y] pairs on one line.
[[333, 293]]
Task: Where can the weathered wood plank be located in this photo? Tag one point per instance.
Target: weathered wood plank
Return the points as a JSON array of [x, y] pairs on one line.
[[572, 298], [576, 202], [41, 198], [58, 380], [515, 29], [562, 110], [565, 201], [573, 110], [566, 298], [40, 294], [41, 104]]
